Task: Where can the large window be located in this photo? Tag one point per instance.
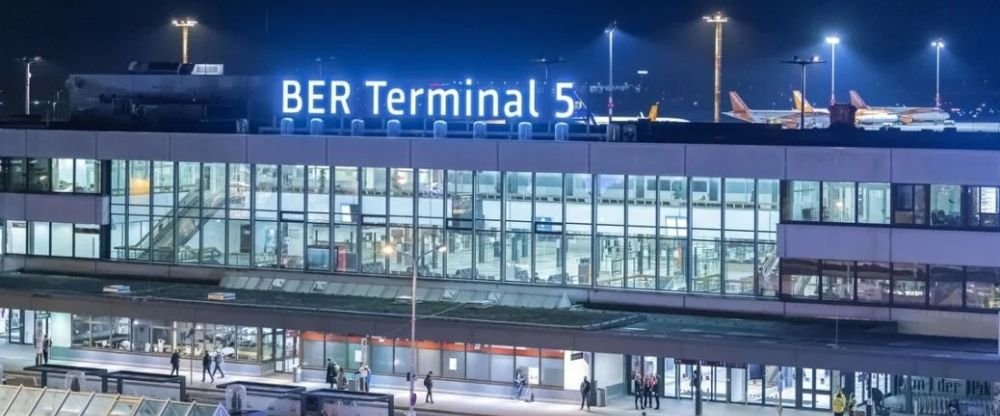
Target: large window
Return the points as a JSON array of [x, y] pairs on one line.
[[946, 205], [982, 207], [838, 280], [873, 203], [874, 282], [838, 202], [800, 278], [801, 200], [909, 204], [982, 288], [909, 284], [946, 286]]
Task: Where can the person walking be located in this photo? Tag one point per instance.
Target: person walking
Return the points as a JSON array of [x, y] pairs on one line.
[[429, 385], [656, 390], [219, 359], [175, 364], [585, 393], [637, 390], [331, 372], [839, 403], [206, 367], [46, 346], [363, 378]]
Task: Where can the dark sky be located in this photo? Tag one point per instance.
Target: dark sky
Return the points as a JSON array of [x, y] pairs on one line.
[[885, 53]]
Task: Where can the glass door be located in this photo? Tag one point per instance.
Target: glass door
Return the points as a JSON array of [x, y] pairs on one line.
[[15, 326], [286, 347], [816, 387]]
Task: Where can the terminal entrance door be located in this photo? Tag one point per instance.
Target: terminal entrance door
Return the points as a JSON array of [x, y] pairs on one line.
[[286, 350], [816, 388]]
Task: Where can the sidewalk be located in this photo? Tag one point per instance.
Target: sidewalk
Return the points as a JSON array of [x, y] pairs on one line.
[[16, 357]]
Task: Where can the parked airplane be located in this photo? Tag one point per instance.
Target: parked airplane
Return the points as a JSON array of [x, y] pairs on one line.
[[905, 115], [787, 118]]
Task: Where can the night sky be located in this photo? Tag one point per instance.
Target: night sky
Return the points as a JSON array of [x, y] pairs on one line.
[[885, 53]]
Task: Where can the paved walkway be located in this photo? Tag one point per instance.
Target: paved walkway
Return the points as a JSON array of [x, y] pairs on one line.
[[16, 357]]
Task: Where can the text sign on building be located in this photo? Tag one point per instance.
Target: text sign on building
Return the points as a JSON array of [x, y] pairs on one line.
[[379, 98]]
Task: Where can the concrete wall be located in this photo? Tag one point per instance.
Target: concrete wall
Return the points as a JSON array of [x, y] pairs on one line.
[[884, 244]]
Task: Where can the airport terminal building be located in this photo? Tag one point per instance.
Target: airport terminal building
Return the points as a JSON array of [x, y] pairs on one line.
[[786, 264]]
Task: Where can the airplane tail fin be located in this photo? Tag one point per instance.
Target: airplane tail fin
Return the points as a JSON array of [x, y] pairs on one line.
[[740, 109], [654, 111], [857, 102], [797, 97]]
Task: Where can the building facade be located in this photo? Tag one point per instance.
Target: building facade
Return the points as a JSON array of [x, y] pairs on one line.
[[896, 234]]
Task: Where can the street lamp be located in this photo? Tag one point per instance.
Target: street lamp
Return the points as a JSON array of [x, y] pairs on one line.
[[833, 41], [718, 19], [610, 30], [185, 25], [803, 63], [937, 45], [27, 61], [388, 250]]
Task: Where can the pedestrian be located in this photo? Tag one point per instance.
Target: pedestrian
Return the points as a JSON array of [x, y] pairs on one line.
[[46, 346], [585, 393], [647, 391], [331, 372], [429, 384], [219, 359], [39, 346], [368, 379], [206, 367], [341, 378], [518, 385], [839, 403], [656, 390], [637, 390], [175, 364], [363, 378]]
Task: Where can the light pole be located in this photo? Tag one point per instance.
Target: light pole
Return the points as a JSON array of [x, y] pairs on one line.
[[185, 25], [388, 250], [27, 61], [610, 30], [937, 45], [803, 63], [833, 41], [718, 19]]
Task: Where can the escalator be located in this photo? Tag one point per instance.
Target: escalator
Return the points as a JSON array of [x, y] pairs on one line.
[[769, 273], [156, 244]]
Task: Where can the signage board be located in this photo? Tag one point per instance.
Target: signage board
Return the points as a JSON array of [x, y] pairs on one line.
[[468, 99]]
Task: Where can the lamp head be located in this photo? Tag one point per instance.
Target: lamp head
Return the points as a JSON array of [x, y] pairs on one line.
[[833, 40], [185, 22], [718, 17], [611, 28]]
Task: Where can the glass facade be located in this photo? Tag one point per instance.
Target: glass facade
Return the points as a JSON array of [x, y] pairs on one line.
[[902, 284], [42, 175], [913, 205], [709, 235]]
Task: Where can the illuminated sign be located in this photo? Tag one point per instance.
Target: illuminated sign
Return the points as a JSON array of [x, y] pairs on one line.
[[381, 98]]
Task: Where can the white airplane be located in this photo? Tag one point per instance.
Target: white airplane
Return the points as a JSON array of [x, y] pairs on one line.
[[905, 115], [653, 115], [788, 119]]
